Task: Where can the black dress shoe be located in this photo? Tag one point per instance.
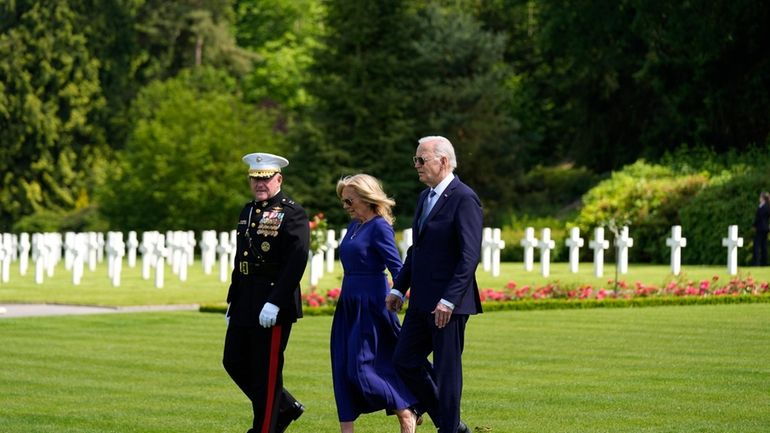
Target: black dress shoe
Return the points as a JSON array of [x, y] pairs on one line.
[[463, 428], [286, 417]]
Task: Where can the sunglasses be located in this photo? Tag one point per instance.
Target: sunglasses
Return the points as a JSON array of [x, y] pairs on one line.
[[421, 161]]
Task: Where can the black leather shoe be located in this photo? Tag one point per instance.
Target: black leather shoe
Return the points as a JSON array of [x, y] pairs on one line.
[[286, 417], [463, 428]]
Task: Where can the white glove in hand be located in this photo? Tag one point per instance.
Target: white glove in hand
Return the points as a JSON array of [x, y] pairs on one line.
[[227, 315], [268, 315]]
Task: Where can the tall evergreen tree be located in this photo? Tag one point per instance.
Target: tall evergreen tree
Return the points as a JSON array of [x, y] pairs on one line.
[[463, 96], [50, 151], [363, 84]]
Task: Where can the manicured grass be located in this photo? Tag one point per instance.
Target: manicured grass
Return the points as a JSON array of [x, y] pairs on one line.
[[199, 288], [683, 369]]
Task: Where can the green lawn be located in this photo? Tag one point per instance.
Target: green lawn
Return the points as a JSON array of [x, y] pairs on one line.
[[658, 369], [96, 288]]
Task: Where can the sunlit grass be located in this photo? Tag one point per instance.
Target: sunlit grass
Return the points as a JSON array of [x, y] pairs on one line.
[[683, 369]]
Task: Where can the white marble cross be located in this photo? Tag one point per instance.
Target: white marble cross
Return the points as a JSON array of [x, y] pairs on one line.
[[39, 256], [161, 252], [497, 245], [99, 247], [54, 244], [529, 243], [147, 248], [191, 247], [69, 247], [93, 246], [131, 245], [623, 243], [24, 247], [574, 242], [116, 249], [599, 244], [676, 242], [223, 249], [732, 242], [208, 250], [405, 243], [545, 245], [79, 253], [316, 266], [331, 245], [486, 249]]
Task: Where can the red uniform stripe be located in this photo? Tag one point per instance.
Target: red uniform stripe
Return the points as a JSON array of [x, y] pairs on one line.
[[272, 376]]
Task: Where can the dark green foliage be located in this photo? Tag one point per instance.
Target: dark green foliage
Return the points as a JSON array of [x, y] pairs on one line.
[[51, 152], [462, 96], [363, 82], [553, 190], [282, 35], [647, 197], [730, 199], [181, 168], [381, 86]]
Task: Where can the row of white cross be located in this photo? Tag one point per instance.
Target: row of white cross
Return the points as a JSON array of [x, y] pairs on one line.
[[622, 243], [178, 249]]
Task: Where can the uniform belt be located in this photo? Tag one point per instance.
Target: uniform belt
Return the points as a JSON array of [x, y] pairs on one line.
[[262, 269]]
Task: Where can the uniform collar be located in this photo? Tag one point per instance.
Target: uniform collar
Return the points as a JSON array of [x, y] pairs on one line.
[[277, 198]]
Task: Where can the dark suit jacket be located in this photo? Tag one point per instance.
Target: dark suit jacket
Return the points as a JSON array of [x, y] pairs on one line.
[[442, 261], [761, 218]]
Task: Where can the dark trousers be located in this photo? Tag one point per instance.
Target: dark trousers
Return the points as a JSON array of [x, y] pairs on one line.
[[760, 248], [439, 388], [253, 358]]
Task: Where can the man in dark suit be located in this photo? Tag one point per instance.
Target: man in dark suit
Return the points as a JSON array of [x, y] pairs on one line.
[[761, 228], [440, 269], [273, 236]]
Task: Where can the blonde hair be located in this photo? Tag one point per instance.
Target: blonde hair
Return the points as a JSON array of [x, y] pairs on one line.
[[369, 189]]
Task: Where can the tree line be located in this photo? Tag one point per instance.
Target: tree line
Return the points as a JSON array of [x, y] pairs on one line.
[[133, 114]]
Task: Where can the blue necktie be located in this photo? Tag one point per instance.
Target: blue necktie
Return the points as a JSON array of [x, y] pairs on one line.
[[426, 207]]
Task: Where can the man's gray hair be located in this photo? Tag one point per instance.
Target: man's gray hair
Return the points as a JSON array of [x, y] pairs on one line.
[[443, 148]]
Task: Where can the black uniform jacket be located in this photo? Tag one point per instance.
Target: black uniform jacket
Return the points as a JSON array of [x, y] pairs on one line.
[[272, 253]]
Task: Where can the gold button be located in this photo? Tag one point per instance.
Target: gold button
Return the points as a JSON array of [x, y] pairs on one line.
[[245, 253], [253, 224], [257, 211]]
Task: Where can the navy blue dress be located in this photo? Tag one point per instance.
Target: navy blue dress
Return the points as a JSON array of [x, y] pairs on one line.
[[364, 332]]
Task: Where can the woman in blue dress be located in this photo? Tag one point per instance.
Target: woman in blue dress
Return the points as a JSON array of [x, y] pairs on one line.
[[364, 332]]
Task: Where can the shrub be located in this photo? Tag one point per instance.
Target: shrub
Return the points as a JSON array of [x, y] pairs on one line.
[[649, 197], [729, 199]]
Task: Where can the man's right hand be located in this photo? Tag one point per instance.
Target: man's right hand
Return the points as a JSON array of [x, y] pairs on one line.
[[393, 303]]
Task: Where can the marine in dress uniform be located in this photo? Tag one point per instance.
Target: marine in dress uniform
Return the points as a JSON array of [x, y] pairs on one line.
[[264, 301]]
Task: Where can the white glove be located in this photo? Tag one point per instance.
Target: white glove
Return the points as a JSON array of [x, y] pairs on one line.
[[227, 315], [268, 315]]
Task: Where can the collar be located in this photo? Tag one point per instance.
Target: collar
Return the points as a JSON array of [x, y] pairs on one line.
[[269, 202], [439, 189]]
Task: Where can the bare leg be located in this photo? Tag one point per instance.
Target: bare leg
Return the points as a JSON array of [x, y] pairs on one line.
[[407, 419], [346, 427]]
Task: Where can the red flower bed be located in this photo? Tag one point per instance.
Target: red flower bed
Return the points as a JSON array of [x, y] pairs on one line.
[[623, 290]]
